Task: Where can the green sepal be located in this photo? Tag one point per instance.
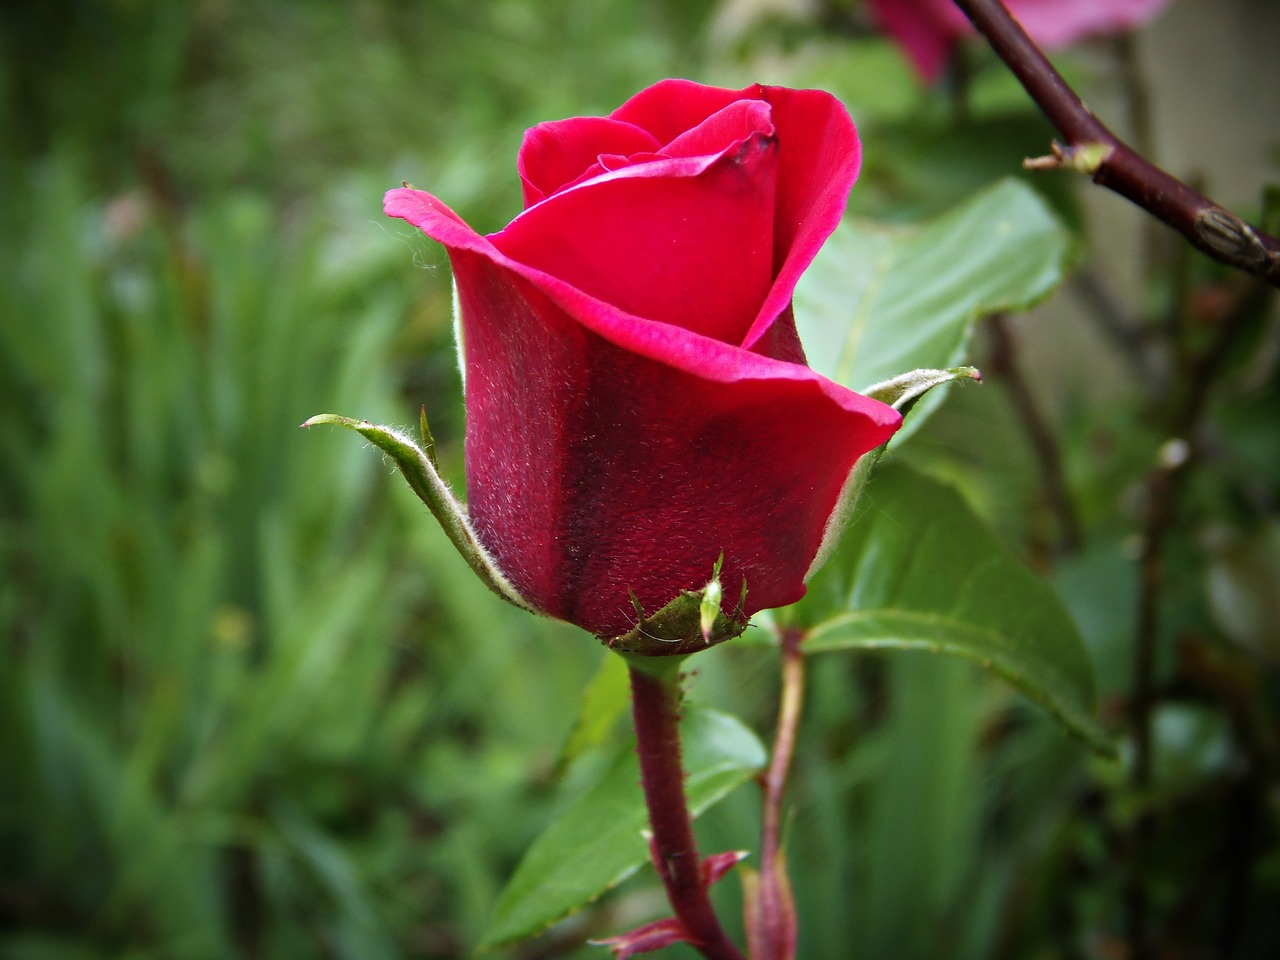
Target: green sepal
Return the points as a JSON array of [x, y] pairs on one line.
[[418, 467], [428, 441], [709, 609], [901, 393], [693, 621], [905, 389]]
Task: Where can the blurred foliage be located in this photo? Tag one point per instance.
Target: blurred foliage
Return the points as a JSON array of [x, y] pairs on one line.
[[251, 705]]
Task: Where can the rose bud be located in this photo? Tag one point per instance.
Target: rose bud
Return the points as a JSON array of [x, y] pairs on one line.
[[929, 30], [640, 416]]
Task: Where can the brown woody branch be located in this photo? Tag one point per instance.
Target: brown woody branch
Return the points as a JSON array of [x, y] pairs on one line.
[[1092, 148]]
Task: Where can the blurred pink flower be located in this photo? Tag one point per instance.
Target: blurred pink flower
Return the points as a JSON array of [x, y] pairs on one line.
[[928, 30]]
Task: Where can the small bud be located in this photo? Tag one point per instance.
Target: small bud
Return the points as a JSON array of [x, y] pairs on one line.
[[1080, 158], [1227, 234], [1173, 453]]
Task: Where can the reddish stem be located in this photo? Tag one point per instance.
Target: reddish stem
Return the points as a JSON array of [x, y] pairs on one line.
[[777, 915], [1211, 228], [1039, 433], [656, 708]]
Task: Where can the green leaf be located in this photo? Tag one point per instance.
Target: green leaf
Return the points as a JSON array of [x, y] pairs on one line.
[[918, 571], [597, 842], [605, 699], [881, 300]]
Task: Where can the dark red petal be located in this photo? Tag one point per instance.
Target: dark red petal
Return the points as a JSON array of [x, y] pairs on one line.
[[819, 155], [781, 340], [670, 107], [686, 240], [606, 453], [556, 153]]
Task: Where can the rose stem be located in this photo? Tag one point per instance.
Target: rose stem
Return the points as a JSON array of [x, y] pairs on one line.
[[1039, 433], [1212, 229], [777, 910], [1164, 485], [655, 700]]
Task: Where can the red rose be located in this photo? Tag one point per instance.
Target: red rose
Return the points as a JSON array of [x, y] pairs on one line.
[[637, 397], [928, 29]]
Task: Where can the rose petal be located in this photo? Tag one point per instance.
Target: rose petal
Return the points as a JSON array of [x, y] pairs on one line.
[[643, 450], [609, 162], [732, 124], [820, 156], [688, 241], [555, 154], [670, 107]]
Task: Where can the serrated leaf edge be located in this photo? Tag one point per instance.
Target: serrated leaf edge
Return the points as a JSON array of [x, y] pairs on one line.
[[820, 640]]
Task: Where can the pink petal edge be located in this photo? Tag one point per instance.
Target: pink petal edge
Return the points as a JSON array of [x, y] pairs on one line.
[[685, 351]]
